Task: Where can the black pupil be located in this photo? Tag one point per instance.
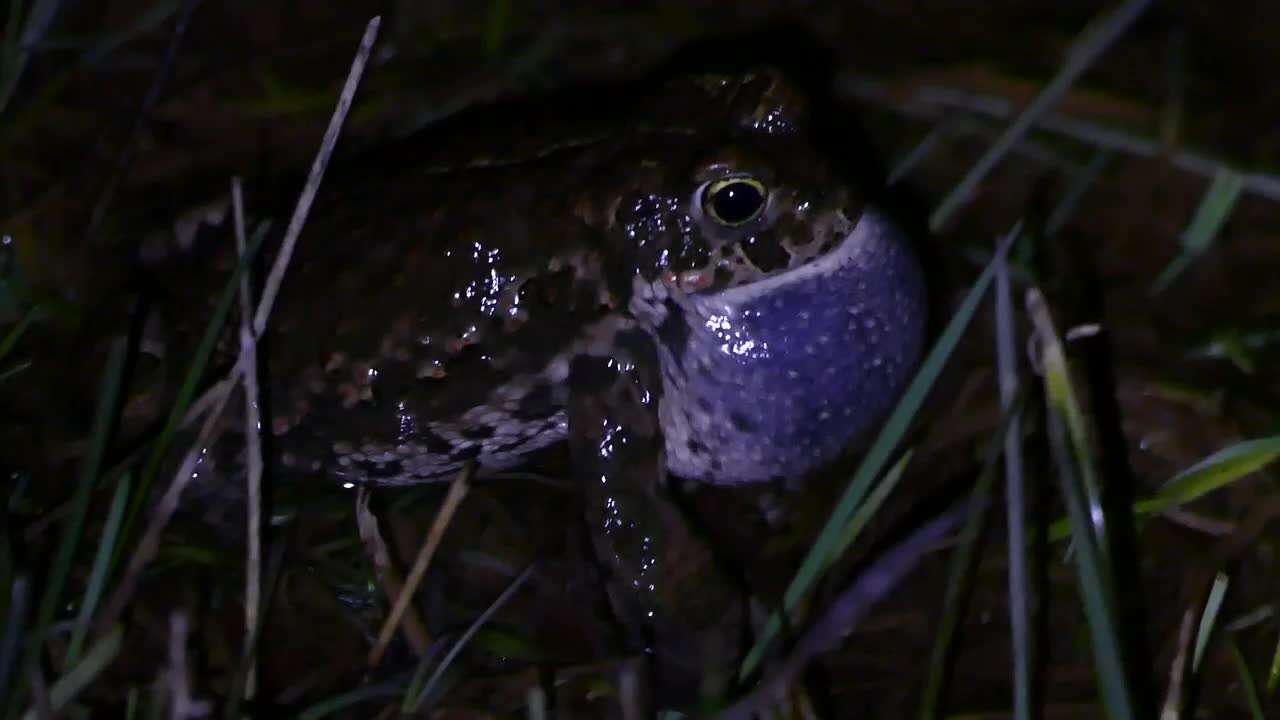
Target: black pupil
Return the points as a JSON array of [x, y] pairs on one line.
[[737, 202]]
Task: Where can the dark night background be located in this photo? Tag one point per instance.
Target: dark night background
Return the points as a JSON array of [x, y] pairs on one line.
[[128, 113]]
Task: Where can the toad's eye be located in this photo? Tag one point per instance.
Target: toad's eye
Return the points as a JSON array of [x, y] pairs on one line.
[[734, 201]]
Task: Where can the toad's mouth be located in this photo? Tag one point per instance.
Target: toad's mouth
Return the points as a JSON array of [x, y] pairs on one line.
[[741, 263], [843, 241]]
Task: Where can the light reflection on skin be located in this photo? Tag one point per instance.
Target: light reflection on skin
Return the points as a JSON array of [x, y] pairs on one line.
[[735, 338], [490, 287]]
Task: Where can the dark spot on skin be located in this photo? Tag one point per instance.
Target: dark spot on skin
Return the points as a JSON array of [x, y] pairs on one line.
[[637, 344], [704, 405], [586, 292], [766, 253], [696, 447], [723, 276], [513, 445], [741, 422], [466, 453], [536, 404], [477, 432], [435, 444], [674, 331], [589, 374], [382, 470], [716, 465]]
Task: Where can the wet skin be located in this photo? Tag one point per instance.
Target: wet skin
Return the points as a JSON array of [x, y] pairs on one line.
[[683, 285]]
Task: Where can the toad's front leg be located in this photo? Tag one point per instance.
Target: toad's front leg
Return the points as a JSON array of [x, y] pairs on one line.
[[670, 595]]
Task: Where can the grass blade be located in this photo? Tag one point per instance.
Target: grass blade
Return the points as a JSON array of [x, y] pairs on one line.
[[148, 20], [457, 491], [195, 373], [1216, 206], [466, 636], [1015, 496], [325, 708], [1247, 682], [15, 625], [873, 502], [1093, 41], [1273, 675], [101, 563], [777, 694], [309, 189], [958, 577], [1214, 472], [1172, 707], [249, 655], [62, 692], [1093, 570], [536, 704], [497, 27], [923, 149], [1209, 618], [1065, 407], [15, 334], [821, 554], [1066, 208], [60, 567], [39, 18]]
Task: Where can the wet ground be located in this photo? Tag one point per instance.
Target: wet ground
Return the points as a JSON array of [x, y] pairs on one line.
[[249, 92]]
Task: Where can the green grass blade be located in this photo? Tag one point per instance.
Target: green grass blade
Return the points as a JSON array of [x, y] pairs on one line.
[[1247, 683], [872, 504], [1209, 618], [958, 577], [1215, 207], [15, 333], [1092, 568], [101, 563], [923, 149], [104, 421], [150, 19], [1214, 472], [413, 689], [62, 692], [325, 708], [1070, 202], [1092, 42], [195, 373], [1273, 674], [1063, 405], [1020, 629], [497, 27], [12, 65], [11, 24], [13, 371], [466, 636], [15, 626], [821, 555]]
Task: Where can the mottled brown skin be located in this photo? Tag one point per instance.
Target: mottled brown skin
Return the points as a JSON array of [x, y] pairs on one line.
[[417, 291], [452, 306]]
